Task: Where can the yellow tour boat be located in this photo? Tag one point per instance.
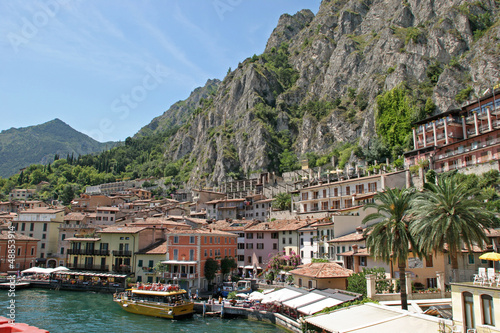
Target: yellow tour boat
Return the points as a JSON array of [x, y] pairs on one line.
[[167, 302]]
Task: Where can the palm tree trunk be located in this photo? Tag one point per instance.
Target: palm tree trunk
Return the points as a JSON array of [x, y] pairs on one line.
[[402, 284], [454, 267]]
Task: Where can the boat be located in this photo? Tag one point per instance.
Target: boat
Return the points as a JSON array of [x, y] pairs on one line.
[[165, 301], [244, 286], [228, 287]]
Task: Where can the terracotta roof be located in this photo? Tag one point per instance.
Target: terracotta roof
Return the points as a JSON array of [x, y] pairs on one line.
[[234, 225], [122, 230], [41, 210], [4, 234], [75, 217], [263, 201], [159, 249], [353, 237], [80, 239], [492, 232], [112, 209], [362, 252], [322, 270], [200, 231], [214, 201]]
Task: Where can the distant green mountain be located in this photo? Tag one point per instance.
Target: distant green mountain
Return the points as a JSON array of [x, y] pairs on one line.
[[20, 147]]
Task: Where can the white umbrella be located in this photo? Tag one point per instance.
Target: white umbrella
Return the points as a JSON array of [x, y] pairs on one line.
[[60, 268], [256, 296], [241, 295], [36, 270]]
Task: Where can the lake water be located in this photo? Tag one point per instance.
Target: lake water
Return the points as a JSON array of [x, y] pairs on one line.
[[67, 311]]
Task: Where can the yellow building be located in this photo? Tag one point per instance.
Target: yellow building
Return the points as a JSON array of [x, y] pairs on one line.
[[43, 223], [476, 306]]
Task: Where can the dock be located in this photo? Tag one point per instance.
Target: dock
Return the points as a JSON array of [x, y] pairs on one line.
[[15, 286]]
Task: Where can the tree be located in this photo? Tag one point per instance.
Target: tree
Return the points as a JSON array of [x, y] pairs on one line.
[[446, 216], [389, 239], [67, 195], [357, 281], [288, 161], [282, 201], [227, 265], [211, 268]]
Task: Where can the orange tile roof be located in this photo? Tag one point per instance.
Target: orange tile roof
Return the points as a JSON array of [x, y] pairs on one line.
[[352, 237], [322, 270], [122, 230], [362, 252], [4, 234]]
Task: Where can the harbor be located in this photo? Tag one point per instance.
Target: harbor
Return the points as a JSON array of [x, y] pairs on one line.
[[67, 311]]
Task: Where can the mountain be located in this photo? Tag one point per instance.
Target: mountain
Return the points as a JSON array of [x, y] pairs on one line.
[[315, 87], [20, 147]]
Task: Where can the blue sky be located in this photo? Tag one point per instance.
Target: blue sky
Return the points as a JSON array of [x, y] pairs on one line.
[[107, 68]]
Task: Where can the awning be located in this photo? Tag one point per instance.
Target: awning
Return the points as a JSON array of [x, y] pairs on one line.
[[303, 300], [318, 306], [373, 318], [281, 295], [179, 262]]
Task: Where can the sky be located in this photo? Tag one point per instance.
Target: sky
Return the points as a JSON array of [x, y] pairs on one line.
[[107, 68]]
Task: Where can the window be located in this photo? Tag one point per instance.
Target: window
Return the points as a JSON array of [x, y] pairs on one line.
[[23, 226], [250, 235], [324, 205], [347, 190], [301, 241], [62, 250], [471, 259], [191, 239], [44, 236], [362, 261], [260, 235], [210, 240], [205, 252], [249, 259], [487, 309], [45, 227], [32, 251], [336, 192], [302, 254], [241, 257], [300, 282], [260, 246], [210, 252], [284, 240], [290, 240], [139, 263], [176, 254], [63, 236], [336, 204], [274, 235], [249, 246], [32, 226], [428, 261], [360, 189], [260, 260], [241, 246], [176, 239], [305, 195], [275, 246], [372, 187], [43, 246], [151, 263], [18, 251], [310, 284], [468, 302]]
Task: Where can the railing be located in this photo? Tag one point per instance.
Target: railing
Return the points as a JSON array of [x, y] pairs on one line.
[[122, 253], [74, 225], [148, 269], [122, 268], [86, 252], [88, 267], [180, 275]]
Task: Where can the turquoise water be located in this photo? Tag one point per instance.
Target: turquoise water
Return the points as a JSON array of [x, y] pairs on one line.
[[67, 311]]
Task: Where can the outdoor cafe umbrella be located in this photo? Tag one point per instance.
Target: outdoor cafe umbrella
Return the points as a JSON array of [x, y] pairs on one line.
[[493, 256]]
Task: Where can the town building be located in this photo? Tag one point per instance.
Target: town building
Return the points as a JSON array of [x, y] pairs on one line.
[[459, 138], [42, 223], [24, 253], [321, 275]]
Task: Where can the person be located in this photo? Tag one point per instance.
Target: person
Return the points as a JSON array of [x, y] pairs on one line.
[[220, 299]]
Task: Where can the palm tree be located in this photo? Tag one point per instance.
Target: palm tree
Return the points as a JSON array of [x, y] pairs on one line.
[[446, 216], [390, 239]]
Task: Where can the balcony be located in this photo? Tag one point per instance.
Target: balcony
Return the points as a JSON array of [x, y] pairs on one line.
[[85, 252], [169, 275], [122, 253], [122, 268], [88, 267], [148, 269]]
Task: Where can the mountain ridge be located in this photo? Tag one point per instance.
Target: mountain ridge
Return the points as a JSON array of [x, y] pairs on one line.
[[38, 144]]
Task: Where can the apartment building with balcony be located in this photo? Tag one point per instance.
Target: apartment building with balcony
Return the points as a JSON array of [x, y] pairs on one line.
[[42, 223], [226, 209], [187, 251], [112, 249], [459, 138], [325, 199]]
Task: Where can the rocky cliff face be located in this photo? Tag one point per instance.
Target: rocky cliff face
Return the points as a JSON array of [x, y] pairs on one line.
[[319, 91]]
